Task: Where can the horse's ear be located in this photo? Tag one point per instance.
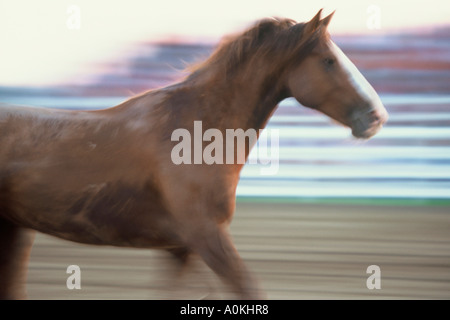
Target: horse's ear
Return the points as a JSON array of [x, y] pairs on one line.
[[314, 23], [326, 21]]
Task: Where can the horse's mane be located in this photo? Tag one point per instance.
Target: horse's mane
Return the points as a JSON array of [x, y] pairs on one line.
[[266, 37]]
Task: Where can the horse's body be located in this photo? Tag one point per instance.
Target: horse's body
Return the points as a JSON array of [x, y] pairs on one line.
[[93, 166], [106, 177]]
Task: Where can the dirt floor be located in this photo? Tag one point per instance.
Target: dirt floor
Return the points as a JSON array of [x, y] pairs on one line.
[[297, 251]]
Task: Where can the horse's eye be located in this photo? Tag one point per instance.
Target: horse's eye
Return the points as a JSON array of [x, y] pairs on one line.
[[328, 62]]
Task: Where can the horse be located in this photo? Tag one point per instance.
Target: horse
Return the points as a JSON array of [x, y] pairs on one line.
[[106, 177]]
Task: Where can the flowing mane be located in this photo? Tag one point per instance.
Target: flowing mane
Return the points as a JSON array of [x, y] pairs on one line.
[[266, 38]]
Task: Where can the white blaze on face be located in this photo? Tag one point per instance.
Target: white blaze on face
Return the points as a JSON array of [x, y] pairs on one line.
[[372, 114], [361, 85]]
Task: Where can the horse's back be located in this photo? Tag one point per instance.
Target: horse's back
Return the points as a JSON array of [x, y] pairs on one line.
[[10, 111], [23, 129]]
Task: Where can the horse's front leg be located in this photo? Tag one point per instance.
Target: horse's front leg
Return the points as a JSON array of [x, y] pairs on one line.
[[214, 245], [15, 248]]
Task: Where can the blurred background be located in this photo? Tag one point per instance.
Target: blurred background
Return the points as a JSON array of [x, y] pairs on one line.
[[335, 206]]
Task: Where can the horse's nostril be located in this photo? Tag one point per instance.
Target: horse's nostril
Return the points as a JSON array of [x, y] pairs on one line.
[[375, 116]]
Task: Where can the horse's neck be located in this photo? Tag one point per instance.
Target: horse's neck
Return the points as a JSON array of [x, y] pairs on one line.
[[245, 100]]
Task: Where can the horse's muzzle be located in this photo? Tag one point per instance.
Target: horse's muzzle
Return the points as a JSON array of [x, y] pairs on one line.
[[366, 124]]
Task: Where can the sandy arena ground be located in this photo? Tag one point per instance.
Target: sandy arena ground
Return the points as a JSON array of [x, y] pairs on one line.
[[297, 251]]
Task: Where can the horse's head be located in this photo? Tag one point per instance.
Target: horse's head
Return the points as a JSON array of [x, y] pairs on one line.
[[326, 80]]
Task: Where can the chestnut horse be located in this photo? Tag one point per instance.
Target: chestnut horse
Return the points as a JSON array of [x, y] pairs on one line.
[[105, 177]]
